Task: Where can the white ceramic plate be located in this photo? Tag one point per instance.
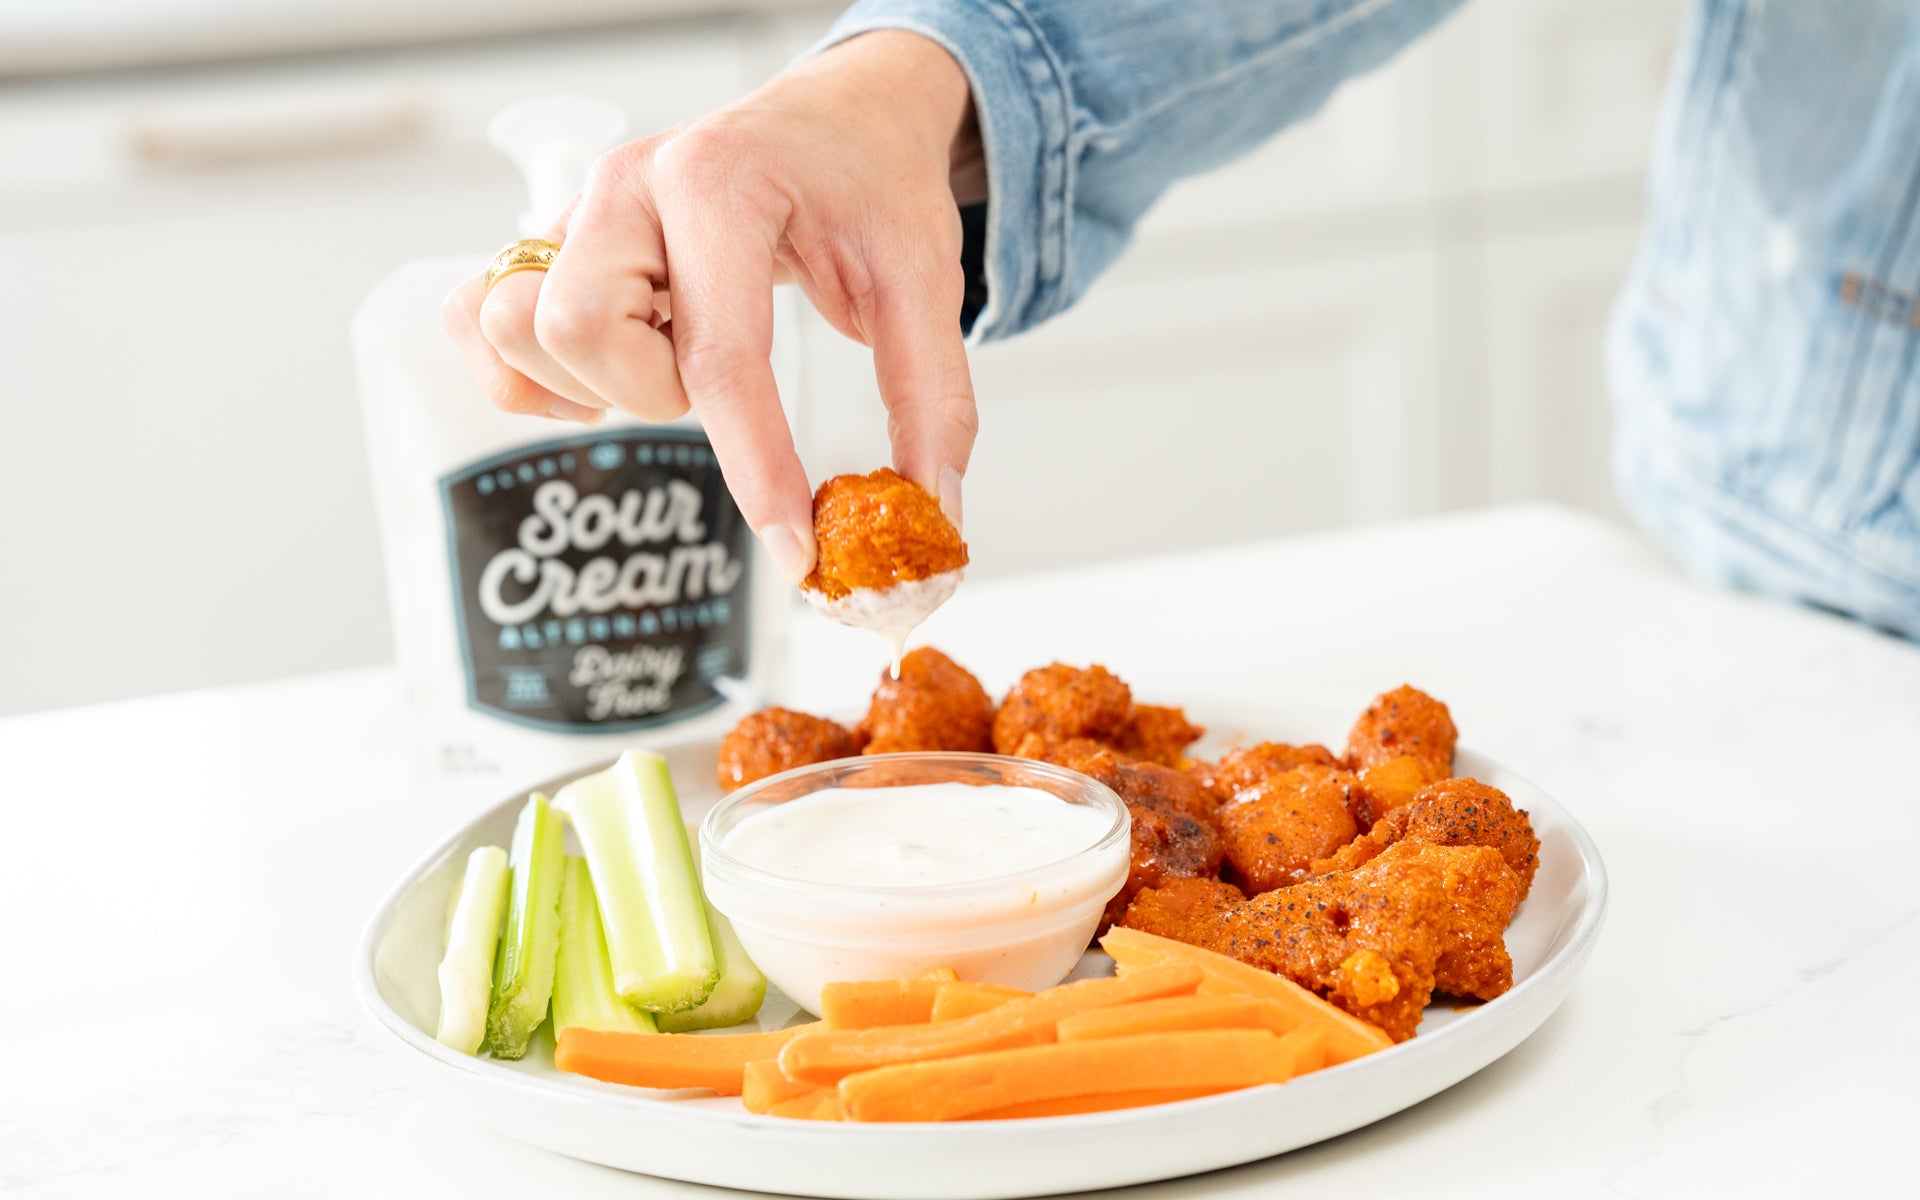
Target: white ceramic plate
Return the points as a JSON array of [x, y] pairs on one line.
[[705, 1139]]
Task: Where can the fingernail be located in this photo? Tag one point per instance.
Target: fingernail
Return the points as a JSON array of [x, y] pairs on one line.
[[789, 557], [567, 410], [950, 497]]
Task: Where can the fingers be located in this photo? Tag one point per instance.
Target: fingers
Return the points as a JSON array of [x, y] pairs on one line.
[[594, 316], [721, 238], [583, 332], [590, 333], [920, 360], [506, 388], [507, 321]]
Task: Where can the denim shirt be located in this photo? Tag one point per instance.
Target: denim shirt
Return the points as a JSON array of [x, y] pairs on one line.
[[1763, 351]]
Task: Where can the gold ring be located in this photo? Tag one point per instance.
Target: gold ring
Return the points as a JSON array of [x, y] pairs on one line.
[[528, 254]]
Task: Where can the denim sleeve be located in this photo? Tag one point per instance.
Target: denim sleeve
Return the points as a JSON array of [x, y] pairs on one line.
[[1090, 109]]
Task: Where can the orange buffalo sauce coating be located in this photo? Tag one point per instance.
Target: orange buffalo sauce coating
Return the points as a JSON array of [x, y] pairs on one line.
[[1275, 830], [878, 530], [1058, 703], [1250, 766], [933, 703], [1403, 722], [779, 739]]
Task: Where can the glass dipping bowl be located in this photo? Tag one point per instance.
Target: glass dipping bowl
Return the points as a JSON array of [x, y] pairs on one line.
[[1026, 929]]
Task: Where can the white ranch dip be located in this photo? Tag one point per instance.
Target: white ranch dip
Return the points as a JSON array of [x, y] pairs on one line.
[[918, 835], [1000, 882], [893, 612]]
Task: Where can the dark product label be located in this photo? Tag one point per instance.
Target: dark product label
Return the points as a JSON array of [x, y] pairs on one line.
[[600, 581]]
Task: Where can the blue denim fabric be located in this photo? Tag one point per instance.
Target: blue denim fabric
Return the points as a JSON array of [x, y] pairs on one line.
[[1767, 405], [1763, 353]]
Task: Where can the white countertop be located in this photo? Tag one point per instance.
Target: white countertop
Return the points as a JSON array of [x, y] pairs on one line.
[[185, 879]]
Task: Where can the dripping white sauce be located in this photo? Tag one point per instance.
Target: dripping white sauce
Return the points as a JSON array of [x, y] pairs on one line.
[[893, 612]]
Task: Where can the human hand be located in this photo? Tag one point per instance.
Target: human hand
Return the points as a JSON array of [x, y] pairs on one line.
[[838, 175]]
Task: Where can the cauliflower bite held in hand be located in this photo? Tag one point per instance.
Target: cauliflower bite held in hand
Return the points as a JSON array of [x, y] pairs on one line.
[[887, 555], [778, 739], [933, 704]]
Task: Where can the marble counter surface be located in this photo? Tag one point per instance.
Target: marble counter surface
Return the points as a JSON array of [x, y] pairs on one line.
[[185, 879]]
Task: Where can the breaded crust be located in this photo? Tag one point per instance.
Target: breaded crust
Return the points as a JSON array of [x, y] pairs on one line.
[[935, 704]]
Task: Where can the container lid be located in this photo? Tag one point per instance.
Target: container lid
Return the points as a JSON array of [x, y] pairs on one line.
[[554, 140]]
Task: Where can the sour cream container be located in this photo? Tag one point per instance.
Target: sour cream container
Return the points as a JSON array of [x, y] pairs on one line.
[[560, 592], [893, 865]]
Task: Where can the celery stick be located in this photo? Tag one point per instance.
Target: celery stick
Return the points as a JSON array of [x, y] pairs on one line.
[[473, 929], [583, 994], [630, 826], [738, 994], [523, 970]]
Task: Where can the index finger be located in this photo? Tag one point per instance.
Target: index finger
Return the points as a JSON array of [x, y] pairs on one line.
[[720, 253]]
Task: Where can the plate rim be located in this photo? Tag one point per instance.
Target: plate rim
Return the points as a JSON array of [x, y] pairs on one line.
[[1397, 1058]]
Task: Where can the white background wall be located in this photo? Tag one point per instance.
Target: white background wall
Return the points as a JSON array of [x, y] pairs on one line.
[[1393, 309]]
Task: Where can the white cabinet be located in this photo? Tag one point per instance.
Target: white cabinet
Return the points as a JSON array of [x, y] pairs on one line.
[[1163, 414], [1543, 324], [1564, 92], [1374, 148], [1396, 307], [1168, 413]]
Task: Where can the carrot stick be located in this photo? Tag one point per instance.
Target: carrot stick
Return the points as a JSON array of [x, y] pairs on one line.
[[957, 1000], [764, 1084], [805, 1105], [866, 1003], [831, 1107], [1067, 1106], [871, 1003], [1273, 1016], [1348, 1037], [1165, 1015], [825, 1056], [952, 1088], [668, 1060], [1218, 1010], [1309, 1044]]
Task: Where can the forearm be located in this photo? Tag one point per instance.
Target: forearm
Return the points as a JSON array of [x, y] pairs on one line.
[[1086, 112]]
